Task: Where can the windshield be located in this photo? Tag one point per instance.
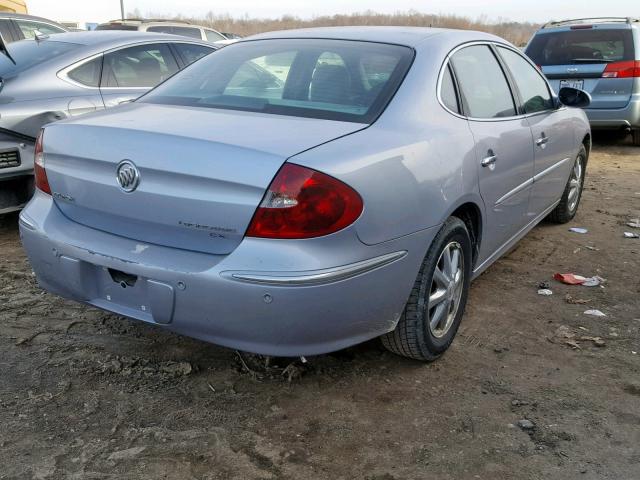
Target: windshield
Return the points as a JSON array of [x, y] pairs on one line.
[[581, 46], [328, 79], [28, 53]]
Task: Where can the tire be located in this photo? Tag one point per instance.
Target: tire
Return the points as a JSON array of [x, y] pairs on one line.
[[413, 337], [568, 206], [635, 136]]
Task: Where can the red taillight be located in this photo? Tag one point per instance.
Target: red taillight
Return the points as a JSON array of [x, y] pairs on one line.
[[304, 203], [628, 69], [42, 183]]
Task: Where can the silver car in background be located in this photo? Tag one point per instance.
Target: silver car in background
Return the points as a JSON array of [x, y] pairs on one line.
[[299, 192], [68, 74], [600, 56]]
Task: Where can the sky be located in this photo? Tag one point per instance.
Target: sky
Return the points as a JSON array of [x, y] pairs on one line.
[[519, 10]]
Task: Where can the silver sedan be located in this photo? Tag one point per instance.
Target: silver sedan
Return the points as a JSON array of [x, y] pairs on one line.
[[69, 74], [299, 192]]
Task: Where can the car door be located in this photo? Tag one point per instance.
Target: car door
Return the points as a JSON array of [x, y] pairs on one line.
[[504, 146], [130, 72], [552, 133]]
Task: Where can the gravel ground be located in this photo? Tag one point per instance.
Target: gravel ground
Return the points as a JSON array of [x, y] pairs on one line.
[[532, 388]]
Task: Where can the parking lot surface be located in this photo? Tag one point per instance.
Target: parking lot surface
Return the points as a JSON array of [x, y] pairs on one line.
[[532, 388]]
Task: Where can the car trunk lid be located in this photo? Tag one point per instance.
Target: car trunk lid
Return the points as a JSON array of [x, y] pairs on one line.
[[202, 172]]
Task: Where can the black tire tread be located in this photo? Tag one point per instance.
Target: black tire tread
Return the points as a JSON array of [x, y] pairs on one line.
[[635, 137]]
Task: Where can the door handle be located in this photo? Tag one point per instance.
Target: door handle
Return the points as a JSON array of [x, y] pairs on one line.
[[490, 160], [542, 141]]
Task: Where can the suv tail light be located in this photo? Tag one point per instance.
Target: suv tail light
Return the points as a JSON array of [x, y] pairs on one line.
[[42, 183], [628, 69], [304, 203]]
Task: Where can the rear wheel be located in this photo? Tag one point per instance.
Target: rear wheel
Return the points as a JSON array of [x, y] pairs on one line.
[[635, 135], [568, 206], [435, 307]]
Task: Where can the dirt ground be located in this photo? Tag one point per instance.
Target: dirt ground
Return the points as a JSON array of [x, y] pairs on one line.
[[85, 394]]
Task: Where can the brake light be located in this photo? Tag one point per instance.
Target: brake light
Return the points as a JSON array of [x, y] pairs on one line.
[[628, 69], [581, 27], [42, 183], [304, 203]]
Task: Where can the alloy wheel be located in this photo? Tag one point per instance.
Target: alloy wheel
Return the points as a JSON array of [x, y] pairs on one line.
[[446, 289]]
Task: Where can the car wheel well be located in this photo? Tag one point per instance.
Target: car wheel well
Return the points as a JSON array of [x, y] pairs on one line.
[[469, 213]]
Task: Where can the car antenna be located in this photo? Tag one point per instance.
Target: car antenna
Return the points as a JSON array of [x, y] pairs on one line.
[[3, 49], [39, 36]]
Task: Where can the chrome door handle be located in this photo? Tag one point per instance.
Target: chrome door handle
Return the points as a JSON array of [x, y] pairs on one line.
[[542, 141], [489, 160]]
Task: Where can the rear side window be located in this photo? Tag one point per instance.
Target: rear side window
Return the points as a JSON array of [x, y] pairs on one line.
[[29, 28], [182, 31], [581, 46], [190, 53], [88, 73], [483, 86], [140, 66], [533, 89], [448, 91], [213, 36]]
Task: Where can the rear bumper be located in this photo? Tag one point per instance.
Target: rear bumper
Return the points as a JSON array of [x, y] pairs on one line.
[[628, 117], [283, 298]]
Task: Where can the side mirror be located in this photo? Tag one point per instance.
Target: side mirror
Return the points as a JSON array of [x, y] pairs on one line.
[[573, 97]]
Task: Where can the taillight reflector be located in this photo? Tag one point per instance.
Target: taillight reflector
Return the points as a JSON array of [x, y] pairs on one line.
[[42, 182], [304, 203], [627, 69]]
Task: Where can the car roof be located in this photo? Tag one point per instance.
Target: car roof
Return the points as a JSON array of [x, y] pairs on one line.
[[108, 38], [598, 22], [408, 36]]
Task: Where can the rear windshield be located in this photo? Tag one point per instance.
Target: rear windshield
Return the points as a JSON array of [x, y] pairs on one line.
[[116, 26], [28, 53], [581, 46], [329, 79]]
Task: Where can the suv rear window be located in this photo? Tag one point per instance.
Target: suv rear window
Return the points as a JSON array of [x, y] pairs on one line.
[[593, 45], [28, 53], [329, 79], [116, 26]]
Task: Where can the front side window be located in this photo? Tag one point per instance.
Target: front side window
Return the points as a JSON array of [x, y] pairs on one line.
[[331, 79], [88, 73], [533, 89], [29, 28], [483, 85], [139, 66]]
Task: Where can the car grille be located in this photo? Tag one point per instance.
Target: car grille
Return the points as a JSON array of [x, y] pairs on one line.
[[9, 158]]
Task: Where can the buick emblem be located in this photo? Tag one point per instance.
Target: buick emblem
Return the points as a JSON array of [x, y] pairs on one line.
[[128, 176]]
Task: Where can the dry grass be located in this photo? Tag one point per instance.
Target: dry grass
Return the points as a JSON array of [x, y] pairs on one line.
[[516, 32]]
